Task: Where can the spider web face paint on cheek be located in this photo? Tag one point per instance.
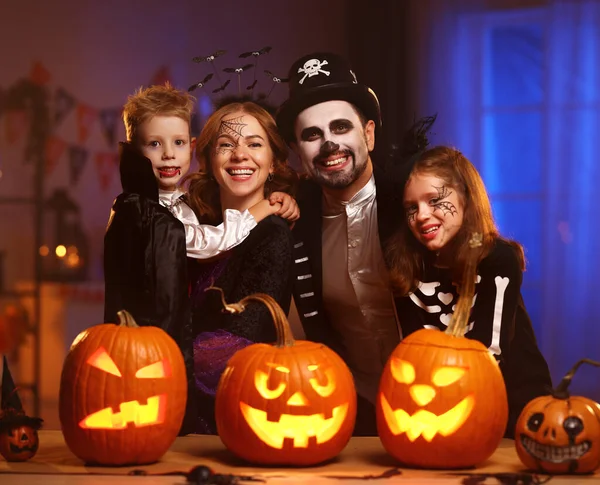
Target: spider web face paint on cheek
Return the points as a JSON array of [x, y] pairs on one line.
[[445, 206]]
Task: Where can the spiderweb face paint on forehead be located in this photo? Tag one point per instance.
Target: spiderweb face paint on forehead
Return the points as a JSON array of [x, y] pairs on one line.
[[233, 128]]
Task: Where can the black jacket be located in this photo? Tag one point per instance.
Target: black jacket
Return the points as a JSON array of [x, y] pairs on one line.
[[145, 262]]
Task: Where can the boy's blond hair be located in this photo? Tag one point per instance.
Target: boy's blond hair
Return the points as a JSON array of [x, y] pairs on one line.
[[159, 100]]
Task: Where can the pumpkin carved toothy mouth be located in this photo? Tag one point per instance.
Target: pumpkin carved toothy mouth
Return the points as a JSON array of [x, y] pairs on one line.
[[294, 427], [425, 423], [153, 412], [554, 454]]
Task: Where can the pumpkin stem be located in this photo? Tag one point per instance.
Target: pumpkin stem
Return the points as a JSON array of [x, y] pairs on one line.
[[285, 337], [126, 319], [561, 391], [460, 319]]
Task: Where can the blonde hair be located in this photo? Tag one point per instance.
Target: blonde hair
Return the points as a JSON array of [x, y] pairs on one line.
[[159, 100]]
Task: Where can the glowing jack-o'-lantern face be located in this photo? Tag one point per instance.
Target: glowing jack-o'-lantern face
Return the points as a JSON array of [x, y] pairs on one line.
[[294, 405], [423, 422], [439, 394], [123, 394], [151, 413]]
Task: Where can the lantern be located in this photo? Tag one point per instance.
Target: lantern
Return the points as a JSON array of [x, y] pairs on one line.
[[442, 399], [64, 254], [560, 433], [292, 403], [123, 393]]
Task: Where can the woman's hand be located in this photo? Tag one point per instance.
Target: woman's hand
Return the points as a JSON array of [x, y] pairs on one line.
[[289, 208]]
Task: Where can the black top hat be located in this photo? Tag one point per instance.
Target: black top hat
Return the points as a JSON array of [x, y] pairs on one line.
[[319, 77]]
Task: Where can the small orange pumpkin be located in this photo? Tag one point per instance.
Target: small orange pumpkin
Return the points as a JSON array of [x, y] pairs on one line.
[[123, 393], [20, 442], [292, 403], [442, 399], [560, 433]]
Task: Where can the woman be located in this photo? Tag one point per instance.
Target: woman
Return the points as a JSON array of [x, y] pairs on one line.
[[242, 161], [445, 202]]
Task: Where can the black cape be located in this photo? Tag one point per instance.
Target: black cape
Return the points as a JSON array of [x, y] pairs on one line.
[[145, 263]]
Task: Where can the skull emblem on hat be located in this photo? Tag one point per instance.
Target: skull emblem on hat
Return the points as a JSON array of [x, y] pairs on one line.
[[312, 67]]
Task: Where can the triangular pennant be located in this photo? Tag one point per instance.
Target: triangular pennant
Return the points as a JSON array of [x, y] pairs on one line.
[[108, 121], [9, 396], [86, 115], [77, 159], [161, 76], [53, 150], [63, 104], [15, 124], [39, 74], [106, 165]]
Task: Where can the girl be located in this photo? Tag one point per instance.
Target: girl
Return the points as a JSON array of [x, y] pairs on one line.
[[445, 201]]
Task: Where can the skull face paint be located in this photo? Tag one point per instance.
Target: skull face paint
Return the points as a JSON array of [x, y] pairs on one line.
[[433, 209], [332, 144]]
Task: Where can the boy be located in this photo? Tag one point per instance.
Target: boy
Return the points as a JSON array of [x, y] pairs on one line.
[[151, 228]]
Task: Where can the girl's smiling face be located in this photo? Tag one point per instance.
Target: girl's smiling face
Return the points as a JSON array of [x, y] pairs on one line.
[[434, 210]]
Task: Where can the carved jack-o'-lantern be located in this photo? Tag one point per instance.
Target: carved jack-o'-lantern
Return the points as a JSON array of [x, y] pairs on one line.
[[560, 433], [292, 403], [19, 443], [18, 432], [123, 393], [442, 402], [442, 399]]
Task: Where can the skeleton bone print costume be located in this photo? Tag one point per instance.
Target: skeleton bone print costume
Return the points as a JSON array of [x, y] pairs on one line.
[[498, 319]]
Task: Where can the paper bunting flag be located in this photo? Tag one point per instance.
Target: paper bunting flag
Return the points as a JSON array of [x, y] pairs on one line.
[[63, 104], [15, 124], [53, 150], [106, 166], [86, 115], [39, 74], [108, 122], [77, 159]]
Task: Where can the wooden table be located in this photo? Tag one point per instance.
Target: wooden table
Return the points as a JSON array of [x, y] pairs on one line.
[[55, 464]]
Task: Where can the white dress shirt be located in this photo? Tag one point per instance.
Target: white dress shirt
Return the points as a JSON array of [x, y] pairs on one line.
[[204, 241], [356, 293]]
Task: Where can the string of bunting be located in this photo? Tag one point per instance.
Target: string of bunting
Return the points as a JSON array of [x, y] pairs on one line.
[[21, 114]]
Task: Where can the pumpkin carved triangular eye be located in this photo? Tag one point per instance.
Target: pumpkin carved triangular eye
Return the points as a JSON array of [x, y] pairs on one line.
[[101, 360], [445, 376], [157, 370], [402, 371]]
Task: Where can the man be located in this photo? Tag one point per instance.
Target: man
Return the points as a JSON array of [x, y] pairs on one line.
[[341, 288]]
